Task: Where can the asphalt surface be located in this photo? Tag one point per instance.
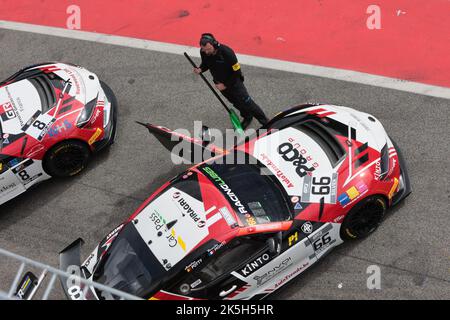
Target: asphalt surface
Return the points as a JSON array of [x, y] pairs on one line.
[[411, 247]]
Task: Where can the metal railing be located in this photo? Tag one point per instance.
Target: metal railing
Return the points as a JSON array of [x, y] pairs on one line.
[[13, 293]]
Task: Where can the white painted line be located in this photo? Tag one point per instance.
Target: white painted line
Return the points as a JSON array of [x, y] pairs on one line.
[[210, 210], [307, 69], [213, 219]]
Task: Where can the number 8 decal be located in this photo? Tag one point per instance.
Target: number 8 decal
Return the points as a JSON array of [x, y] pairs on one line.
[[38, 124], [24, 175]]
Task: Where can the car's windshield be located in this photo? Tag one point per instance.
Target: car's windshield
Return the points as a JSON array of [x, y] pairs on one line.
[[256, 197], [129, 265]]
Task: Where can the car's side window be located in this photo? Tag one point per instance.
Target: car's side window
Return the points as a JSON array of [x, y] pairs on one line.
[[221, 264], [231, 258]]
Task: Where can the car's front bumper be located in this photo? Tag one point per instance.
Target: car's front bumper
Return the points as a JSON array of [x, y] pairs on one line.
[[405, 184], [111, 128]]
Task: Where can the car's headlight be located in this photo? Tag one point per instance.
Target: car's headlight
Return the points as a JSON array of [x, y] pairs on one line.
[[86, 114]]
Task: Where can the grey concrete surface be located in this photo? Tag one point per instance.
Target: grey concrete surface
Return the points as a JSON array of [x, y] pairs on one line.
[[411, 247]]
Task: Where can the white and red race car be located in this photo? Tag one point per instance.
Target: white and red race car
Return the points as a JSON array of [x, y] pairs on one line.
[[53, 116], [320, 175]]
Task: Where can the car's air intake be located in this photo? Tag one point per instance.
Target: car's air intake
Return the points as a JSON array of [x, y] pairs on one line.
[[45, 90], [319, 133]]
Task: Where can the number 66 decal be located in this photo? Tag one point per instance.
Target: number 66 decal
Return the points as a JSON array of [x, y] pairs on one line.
[[320, 188]]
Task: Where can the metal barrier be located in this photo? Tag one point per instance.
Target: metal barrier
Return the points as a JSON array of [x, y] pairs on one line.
[[15, 293]]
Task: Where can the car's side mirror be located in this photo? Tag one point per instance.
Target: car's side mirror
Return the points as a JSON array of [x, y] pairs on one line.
[[274, 244], [205, 136]]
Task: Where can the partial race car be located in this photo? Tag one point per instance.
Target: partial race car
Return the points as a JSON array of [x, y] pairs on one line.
[[53, 116], [320, 175]]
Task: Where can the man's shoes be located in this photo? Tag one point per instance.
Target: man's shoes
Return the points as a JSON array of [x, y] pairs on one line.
[[246, 122]]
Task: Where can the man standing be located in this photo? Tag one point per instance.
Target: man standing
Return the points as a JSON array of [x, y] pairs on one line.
[[221, 61]]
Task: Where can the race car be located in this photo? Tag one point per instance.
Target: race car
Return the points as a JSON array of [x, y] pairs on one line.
[[53, 116], [317, 176]]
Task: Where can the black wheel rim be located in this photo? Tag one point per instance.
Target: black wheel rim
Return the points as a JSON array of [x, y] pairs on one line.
[[367, 218], [70, 161]]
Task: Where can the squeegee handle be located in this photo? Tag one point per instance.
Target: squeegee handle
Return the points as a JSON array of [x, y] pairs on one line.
[[207, 82]]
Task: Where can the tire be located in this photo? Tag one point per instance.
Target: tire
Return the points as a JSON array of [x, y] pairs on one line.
[[67, 159], [364, 218]]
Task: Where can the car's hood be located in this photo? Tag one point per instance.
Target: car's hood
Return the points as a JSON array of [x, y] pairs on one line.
[[181, 219], [40, 93], [19, 101]]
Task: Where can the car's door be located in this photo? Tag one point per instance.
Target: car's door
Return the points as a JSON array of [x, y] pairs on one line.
[[213, 278], [10, 184]]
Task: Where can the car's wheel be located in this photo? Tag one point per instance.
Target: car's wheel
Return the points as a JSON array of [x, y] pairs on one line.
[[67, 158], [364, 218]]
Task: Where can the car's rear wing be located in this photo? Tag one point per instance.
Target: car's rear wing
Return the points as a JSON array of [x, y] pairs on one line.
[[193, 147], [25, 286]]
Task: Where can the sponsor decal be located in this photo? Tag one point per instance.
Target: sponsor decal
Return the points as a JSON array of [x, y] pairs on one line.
[[5, 139], [95, 136], [196, 283], [114, 232], [289, 276], [298, 206], [290, 154], [353, 193], [190, 212], [281, 176], [7, 112], [17, 109], [89, 260], [338, 219], [194, 264], [377, 173], [392, 167], [14, 162], [160, 225], [293, 239], [260, 280], [228, 216], [393, 188], [253, 266], [216, 247], [226, 189], [110, 238], [74, 80], [95, 115], [57, 129], [295, 199], [307, 227], [8, 187]]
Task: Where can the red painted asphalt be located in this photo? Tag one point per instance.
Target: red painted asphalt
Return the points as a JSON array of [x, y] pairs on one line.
[[412, 44]]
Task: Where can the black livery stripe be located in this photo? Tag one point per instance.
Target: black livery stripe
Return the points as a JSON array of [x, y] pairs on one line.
[[322, 203], [65, 109], [30, 122], [361, 148], [353, 133], [361, 160]]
